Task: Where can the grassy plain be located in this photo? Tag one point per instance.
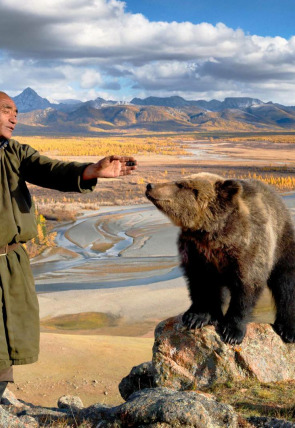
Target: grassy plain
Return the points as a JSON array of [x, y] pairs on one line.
[[92, 365]]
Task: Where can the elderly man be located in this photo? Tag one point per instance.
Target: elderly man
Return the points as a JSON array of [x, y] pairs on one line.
[[19, 315]]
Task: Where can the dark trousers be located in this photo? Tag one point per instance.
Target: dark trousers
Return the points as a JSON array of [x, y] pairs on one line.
[[6, 375]]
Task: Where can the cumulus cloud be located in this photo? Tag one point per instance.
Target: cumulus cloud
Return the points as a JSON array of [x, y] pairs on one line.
[[90, 79], [95, 45]]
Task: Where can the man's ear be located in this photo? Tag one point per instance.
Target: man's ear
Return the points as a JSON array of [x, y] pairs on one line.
[[228, 189]]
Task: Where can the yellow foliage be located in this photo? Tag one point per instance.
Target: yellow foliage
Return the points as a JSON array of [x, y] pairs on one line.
[[277, 138], [44, 238], [93, 146], [280, 182]]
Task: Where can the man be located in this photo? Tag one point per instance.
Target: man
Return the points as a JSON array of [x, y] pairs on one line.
[[19, 314]]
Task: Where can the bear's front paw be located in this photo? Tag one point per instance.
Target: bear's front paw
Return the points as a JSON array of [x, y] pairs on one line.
[[194, 320], [232, 333], [287, 333]]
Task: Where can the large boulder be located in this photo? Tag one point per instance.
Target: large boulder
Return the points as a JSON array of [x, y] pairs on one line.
[[185, 359], [164, 408]]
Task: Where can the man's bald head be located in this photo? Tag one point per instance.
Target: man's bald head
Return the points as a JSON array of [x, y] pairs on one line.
[[8, 116], [4, 95]]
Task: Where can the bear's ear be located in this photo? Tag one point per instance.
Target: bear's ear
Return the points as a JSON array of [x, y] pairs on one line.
[[228, 189]]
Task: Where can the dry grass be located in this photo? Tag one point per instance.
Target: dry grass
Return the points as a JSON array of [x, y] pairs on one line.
[[252, 398], [91, 146], [273, 139]]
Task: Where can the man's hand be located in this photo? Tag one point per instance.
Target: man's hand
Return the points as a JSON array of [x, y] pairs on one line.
[[110, 167]]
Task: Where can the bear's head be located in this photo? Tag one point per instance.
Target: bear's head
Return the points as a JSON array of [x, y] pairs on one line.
[[199, 202]]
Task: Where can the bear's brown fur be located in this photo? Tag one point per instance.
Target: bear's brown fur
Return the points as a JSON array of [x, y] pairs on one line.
[[236, 234]]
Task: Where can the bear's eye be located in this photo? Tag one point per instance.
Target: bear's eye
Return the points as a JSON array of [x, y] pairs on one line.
[[179, 185]]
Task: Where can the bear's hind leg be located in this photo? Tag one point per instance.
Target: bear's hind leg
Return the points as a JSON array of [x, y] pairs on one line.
[[282, 286]]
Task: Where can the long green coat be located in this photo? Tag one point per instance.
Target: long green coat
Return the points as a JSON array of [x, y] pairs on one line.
[[19, 318]]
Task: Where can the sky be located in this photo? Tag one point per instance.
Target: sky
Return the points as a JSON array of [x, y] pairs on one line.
[[196, 49]]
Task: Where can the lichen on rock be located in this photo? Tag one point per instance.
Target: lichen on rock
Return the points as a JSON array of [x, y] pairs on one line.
[[194, 360]]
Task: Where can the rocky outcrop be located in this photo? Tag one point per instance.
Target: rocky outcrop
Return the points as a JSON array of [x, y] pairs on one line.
[[185, 360], [167, 392], [153, 407], [149, 408]]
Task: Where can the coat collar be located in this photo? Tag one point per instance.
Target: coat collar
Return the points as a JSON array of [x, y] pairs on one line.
[[3, 143]]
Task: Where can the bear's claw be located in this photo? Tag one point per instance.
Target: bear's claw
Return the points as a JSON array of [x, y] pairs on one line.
[[194, 320], [287, 333], [232, 334]]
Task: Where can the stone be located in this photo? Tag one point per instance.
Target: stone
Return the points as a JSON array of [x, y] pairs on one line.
[[139, 378], [163, 407], [71, 402], [264, 422], [185, 359], [94, 414], [8, 420], [9, 399]]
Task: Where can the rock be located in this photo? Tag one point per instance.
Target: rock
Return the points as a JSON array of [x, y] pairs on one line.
[[94, 414], [163, 407], [186, 360], [18, 414], [71, 402], [9, 399], [263, 422], [8, 420], [140, 377]]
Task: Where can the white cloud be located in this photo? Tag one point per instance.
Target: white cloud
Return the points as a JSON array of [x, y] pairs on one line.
[[90, 79], [82, 45]]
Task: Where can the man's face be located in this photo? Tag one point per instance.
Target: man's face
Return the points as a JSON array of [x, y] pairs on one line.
[[8, 116]]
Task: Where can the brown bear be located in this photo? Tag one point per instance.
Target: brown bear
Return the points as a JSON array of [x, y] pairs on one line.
[[236, 234]]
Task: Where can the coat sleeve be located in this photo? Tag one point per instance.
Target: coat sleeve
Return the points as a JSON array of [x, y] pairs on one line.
[[53, 174]]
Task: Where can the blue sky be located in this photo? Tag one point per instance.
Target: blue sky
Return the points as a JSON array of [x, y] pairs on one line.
[[118, 50], [260, 17]]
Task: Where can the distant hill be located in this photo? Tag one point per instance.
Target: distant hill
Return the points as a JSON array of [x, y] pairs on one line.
[[213, 105], [164, 102], [38, 116], [29, 100]]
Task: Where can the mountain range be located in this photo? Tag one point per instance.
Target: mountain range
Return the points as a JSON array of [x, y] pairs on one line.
[[38, 116]]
